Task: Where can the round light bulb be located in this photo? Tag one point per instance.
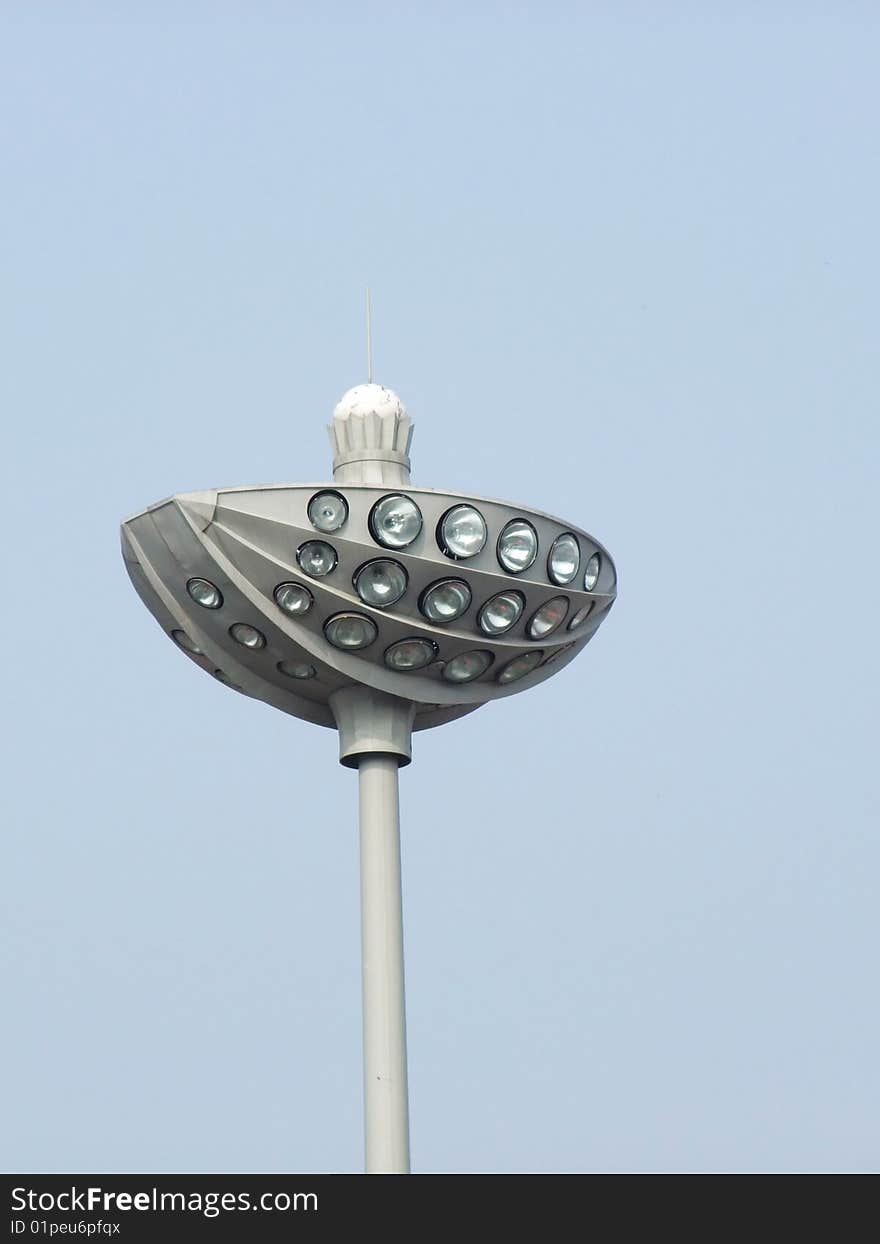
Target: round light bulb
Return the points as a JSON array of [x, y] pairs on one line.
[[316, 558], [226, 680], [591, 574], [462, 532], [467, 666], [501, 613], [204, 593], [188, 645], [380, 583], [350, 631], [395, 521], [445, 601], [328, 511], [293, 598], [246, 635], [564, 559], [296, 669], [410, 654], [546, 619], [520, 666], [580, 617], [517, 546], [558, 652]]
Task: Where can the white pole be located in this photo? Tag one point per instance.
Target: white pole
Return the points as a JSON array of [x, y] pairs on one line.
[[375, 736], [386, 1109]]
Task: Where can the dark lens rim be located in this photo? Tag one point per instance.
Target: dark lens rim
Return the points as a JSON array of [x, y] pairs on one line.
[[589, 607], [510, 523], [598, 557], [371, 521], [511, 591], [297, 677], [466, 653], [441, 539], [291, 583], [546, 634], [197, 578], [534, 652], [442, 583], [550, 575], [411, 639], [255, 629], [350, 613], [327, 492], [195, 651], [380, 561], [305, 544]]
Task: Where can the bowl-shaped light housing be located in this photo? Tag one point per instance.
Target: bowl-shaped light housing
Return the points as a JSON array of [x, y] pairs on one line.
[[462, 532], [564, 560], [380, 583], [517, 546], [395, 521]]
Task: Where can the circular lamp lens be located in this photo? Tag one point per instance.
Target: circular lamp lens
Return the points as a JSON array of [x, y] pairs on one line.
[[350, 631], [293, 598], [520, 666], [517, 546], [246, 635], [467, 666], [445, 601], [546, 619], [296, 669], [380, 583], [188, 645], [395, 521], [591, 575], [328, 511], [501, 613], [558, 652], [316, 558], [462, 532], [564, 559], [204, 593], [580, 617], [410, 654], [226, 680]]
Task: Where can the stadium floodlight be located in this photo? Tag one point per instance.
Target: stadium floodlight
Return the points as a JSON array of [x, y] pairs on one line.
[[378, 609]]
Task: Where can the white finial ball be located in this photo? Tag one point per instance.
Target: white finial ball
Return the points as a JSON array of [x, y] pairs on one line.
[[369, 399]]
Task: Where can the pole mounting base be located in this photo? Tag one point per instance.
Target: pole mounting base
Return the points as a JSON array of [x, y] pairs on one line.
[[371, 723]]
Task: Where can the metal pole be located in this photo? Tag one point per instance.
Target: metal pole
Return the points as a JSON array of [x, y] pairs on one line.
[[386, 1109]]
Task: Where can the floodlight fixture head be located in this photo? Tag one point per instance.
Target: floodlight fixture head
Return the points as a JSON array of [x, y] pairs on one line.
[[364, 603]]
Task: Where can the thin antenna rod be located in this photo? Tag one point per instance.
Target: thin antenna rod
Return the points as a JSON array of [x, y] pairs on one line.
[[369, 339]]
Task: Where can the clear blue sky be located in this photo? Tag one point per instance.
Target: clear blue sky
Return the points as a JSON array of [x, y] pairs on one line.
[[624, 268]]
